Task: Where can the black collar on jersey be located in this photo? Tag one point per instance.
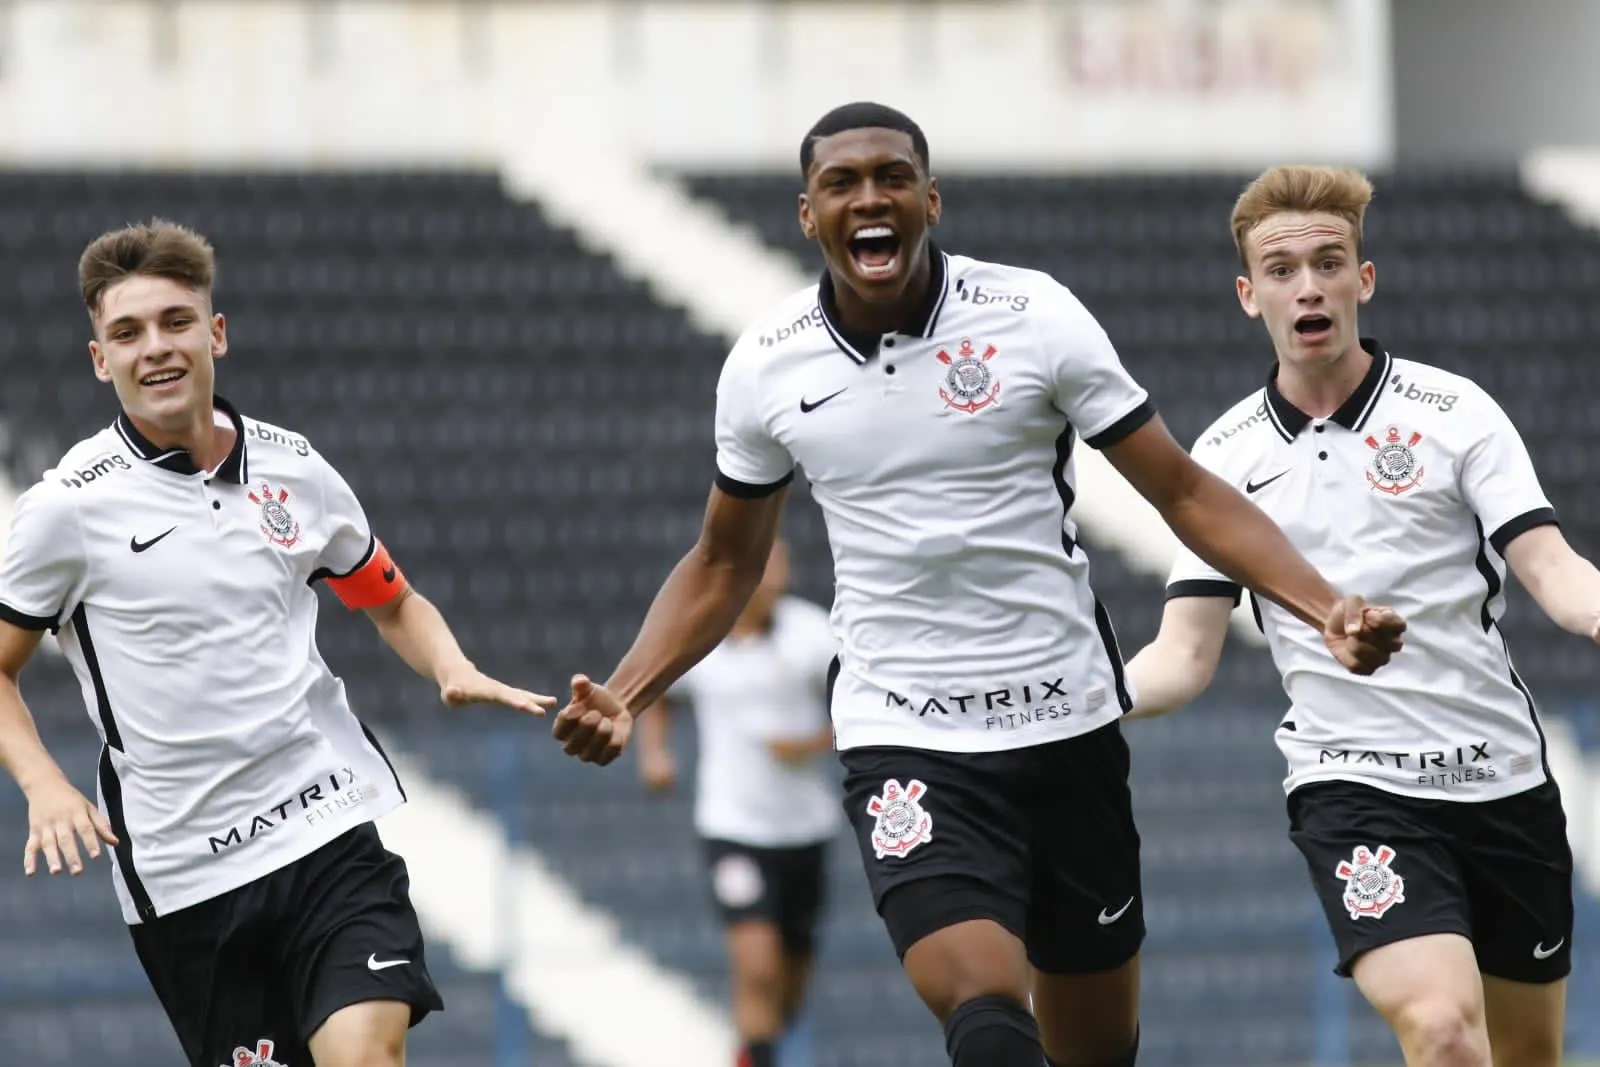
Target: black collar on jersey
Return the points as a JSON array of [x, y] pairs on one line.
[[1352, 414], [177, 460], [860, 346]]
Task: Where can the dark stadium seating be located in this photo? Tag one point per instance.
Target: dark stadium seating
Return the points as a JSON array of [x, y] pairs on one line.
[[530, 434]]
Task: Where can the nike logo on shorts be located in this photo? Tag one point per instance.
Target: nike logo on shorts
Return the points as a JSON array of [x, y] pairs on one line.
[[1542, 953], [375, 964], [1107, 919]]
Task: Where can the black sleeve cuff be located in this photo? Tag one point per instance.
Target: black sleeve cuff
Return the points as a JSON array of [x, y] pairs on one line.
[[748, 490], [322, 573], [1205, 587], [1124, 426], [24, 621], [1520, 525]]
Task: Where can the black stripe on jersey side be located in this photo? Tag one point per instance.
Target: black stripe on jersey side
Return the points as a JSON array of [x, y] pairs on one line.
[[1123, 427], [833, 679], [23, 621], [1211, 587], [111, 791], [322, 573], [1510, 530], [1102, 618], [373, 741], [750, 490], [108, 721], [1491, 578]]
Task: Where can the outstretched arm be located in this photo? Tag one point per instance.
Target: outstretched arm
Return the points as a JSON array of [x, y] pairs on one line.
[[58, 815], [694, 610], [1223, 528], [1563, 583], [1177, 666]]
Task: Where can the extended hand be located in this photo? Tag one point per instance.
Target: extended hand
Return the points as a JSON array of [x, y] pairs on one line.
[[57, 814], [1362, 638], [595, 726], [466, 684]]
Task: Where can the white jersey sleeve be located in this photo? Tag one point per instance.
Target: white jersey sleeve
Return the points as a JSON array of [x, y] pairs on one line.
[[350, 541], [1190, 575], [42, 575], [750, 462], [1498, 480], [1091, 385]]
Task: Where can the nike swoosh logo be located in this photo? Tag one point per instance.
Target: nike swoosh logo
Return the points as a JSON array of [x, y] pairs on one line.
[[139, 546], [375, 964], [806, 406], [1107, 920], [1542, 953], [1256, 487], [388, 573]]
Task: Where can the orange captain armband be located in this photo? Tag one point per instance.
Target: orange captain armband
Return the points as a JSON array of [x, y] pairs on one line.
[[373, 584]]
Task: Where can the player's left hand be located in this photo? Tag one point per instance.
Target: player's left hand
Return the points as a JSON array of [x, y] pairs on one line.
[[1362, 638], [595, 726], [465, 684]]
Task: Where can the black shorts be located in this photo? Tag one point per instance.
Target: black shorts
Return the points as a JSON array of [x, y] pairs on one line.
[[1390, 867], [1041, 840], [782, 886], [271, 960]]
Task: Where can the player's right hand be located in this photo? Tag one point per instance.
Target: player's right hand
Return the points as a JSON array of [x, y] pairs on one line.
[[58, 813], [658, 769], [595, 726], [1362, 638]]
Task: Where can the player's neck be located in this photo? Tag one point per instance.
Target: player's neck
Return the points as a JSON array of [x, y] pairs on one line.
[[1319, 390], [207, 443], [891, 315]]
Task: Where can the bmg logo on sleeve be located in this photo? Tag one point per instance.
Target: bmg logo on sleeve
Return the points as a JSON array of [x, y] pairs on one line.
[[98, 468]]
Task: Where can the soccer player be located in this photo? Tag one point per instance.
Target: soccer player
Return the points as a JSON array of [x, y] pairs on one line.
[[174, 554], [765, 806], [935, 402], [1421, 797]]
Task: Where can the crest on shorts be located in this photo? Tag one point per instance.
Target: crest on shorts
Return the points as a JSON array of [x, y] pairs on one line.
[[280, 527], [902, 823], [1371, 886], [736, 880], [969, 384], [1394, 465], [260, 1057]]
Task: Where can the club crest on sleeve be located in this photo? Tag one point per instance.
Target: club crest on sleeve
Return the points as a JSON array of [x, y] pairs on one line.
[[1394, 465], [277, 523], [969, 385], [903, 823], [1371, 886], [260, 1057]]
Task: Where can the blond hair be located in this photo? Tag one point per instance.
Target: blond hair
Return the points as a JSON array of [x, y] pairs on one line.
[[1321, 190], [156, 249]]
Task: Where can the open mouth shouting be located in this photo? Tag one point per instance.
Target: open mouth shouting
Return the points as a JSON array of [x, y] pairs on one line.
[[1313, 328], [875, 251]]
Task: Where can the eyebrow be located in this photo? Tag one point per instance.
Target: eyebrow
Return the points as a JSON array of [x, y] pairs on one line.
[[128, 320]]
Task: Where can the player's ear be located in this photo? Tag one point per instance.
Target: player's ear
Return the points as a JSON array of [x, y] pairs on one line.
[[935, 202], [808, 225], [98, 356], [219, 336], [1247, 296], [1369, 281]]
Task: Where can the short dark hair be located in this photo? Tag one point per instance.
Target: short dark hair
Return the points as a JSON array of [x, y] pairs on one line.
[[861, 115], [156, 249]]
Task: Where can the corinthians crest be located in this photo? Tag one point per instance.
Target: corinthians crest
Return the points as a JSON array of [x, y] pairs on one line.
[[902, 823], [260, 1056], [1394, 465], [969, 384], [1371, 887], [280, 527]]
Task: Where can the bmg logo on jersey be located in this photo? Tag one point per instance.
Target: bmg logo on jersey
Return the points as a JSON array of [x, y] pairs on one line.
[[1008, 708], [98, 468], [793, 329], [1437, 398], [979, 297]]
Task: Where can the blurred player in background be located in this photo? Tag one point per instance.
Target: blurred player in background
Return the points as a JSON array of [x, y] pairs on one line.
[[935, 402], [765, 805], [1421, 797], [175, 552]]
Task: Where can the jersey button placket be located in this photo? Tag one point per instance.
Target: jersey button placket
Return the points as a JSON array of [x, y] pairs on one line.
[[886, 358]]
